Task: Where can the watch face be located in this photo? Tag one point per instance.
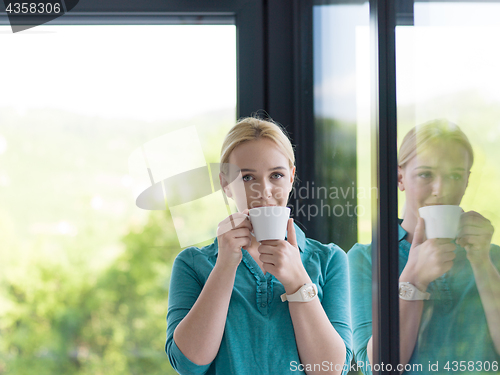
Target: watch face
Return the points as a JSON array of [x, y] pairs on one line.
[[308, 293], [406, 291]]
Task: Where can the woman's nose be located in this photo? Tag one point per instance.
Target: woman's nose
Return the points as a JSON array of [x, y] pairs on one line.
[[265, 190], [268, 192], [439, 187]]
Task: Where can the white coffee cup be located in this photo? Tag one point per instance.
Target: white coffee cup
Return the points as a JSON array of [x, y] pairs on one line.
[[269, 223], [441, 221]]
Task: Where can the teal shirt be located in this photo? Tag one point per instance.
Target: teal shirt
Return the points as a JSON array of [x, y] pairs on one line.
[[258, 336], [453, 325]]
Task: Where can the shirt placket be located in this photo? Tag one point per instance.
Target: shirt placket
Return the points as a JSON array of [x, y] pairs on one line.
[[263, 284]]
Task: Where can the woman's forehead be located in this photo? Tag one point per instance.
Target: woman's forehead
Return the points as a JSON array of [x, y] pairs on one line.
[[258, 151], [443, 154]]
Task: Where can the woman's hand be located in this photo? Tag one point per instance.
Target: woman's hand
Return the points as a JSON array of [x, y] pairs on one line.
[[233, 233], [428, 259], [282, 259], [475, 235]]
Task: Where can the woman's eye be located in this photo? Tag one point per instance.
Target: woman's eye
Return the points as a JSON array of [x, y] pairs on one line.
[[455, 176], [277, 175], [247, 177], [425, 175]]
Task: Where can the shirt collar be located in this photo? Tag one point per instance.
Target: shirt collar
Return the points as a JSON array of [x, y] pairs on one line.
[[401, 232], [299, 234]]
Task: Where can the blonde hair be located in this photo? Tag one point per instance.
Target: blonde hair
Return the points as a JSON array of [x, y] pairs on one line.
[[252, 128], [421, 136]]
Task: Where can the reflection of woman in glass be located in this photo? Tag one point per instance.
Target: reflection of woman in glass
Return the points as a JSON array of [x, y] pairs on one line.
[[461, 320], [225, 315]]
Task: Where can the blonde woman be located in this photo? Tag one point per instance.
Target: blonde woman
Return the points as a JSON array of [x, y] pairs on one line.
[[453, 317], [225, 315]]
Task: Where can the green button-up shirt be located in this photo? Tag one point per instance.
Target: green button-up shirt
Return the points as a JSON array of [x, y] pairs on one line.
[[258, 336], [453, 325]]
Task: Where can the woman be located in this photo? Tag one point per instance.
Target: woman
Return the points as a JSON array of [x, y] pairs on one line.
[[461, 320], [225, 315]]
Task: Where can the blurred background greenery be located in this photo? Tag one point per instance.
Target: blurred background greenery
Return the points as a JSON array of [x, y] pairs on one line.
[[84, 272]]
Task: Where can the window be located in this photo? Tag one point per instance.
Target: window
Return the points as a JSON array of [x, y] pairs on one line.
[[85, 273]]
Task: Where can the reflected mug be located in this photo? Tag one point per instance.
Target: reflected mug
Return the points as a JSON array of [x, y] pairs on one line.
[[441, 221]]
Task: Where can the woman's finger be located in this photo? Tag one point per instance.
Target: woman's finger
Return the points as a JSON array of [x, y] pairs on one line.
[[267, 249], [237, 234], [228, 225], [235, 219], [291, 237], [447, 256], [266, 258]]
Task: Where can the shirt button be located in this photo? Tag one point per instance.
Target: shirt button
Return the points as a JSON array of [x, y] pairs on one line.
[[263, 304]]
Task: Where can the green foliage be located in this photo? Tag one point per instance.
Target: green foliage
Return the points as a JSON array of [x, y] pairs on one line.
[[60, 320], [335, 172], [93, 300]]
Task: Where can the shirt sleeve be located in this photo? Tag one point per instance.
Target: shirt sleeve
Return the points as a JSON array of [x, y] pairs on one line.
[[336, 300], [495, 256], [360, 272], [185, 287]]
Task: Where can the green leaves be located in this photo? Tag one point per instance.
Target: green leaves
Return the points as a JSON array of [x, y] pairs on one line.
[[74, 320]]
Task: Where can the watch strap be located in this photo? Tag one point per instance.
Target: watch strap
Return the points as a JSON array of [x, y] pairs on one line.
[[410, 292], [306, 293]]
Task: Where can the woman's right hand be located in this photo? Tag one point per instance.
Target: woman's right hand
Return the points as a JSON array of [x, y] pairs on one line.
[[233, 233], [428, 259]]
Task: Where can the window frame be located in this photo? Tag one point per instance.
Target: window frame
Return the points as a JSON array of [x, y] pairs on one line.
[[385, 254]]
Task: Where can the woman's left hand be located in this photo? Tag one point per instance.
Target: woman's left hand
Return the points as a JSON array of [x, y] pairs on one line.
[[282, 259], [475, 235]]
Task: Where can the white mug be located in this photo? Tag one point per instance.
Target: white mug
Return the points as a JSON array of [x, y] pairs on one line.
[[269, 223], [441, 221]]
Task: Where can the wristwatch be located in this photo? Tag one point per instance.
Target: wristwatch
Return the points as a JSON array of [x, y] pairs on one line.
[[306, 293], [410, 292]]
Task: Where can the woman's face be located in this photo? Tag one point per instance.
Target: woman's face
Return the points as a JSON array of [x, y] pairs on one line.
[[266, 174], [439, 174]]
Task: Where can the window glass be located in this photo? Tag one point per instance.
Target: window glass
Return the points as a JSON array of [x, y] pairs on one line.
[[342, 146], [342, 123], [84, 271], [447, 87]]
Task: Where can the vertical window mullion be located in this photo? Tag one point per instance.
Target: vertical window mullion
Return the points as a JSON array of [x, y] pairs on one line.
[[385, 308]]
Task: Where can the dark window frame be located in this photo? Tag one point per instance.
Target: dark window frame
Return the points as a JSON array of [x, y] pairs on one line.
[[385, 259]]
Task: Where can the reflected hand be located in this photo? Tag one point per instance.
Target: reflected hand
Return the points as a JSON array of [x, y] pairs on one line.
[[282, 259], [428, 259], [233, 233], [475, 235]]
